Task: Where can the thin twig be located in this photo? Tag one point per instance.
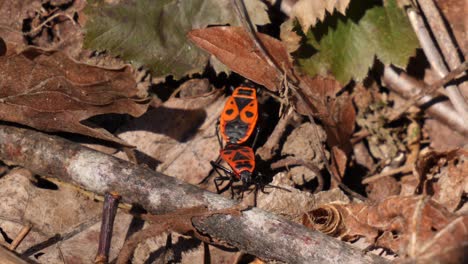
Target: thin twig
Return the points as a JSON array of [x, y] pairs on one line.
[[50, 19], [430, 89], [56, 239], [360, 135], [414, 226], [4, 244], [24, 231], [390, 172], [438, 29], [408, 87], [436, 61]]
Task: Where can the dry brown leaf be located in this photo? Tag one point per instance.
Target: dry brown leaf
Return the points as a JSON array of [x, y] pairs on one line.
[[442, 137], [194, 88], [179, 136], [340, 122], [61, 210], [187, 250], [234, 47], [445, 176], [67, 34], [279, 201], [409, 185], [362, 156], [453, 184], [339, 161], [12, 14], [309, 12], [449, 245], [291, 39], [331, 110], [336, 113], [412, 226], [382, 188], [49, 91], [300, 146]]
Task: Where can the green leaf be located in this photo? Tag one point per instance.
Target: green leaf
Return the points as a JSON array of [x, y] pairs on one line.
[[153, 33], [347, 46]]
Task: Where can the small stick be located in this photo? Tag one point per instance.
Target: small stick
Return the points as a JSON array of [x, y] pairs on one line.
[[57, 238], [124, 206], [359, 136], [447, 45], [109, 211], [404, 169], [50, 19], [24, 231], [408, 87], [431, 89], [440, 32], [436, 61]]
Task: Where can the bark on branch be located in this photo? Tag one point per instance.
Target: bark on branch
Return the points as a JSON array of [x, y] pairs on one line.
[[255, 231]]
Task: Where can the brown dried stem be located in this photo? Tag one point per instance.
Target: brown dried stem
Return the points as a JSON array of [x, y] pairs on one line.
[[111, 202], [390, 172], [23, 232], [255, 231]]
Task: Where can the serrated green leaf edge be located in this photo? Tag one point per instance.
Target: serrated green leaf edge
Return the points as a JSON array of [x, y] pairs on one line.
[[347, 51], [153, 33]]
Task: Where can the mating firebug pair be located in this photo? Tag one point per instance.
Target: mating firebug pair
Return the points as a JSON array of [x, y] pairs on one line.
[[237, 124]]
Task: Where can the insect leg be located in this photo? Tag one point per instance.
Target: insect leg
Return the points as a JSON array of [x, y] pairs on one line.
[[219, 180], [216, 166], [228, 175]]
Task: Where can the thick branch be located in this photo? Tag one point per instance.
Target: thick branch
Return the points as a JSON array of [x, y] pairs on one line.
[[255, 231]]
